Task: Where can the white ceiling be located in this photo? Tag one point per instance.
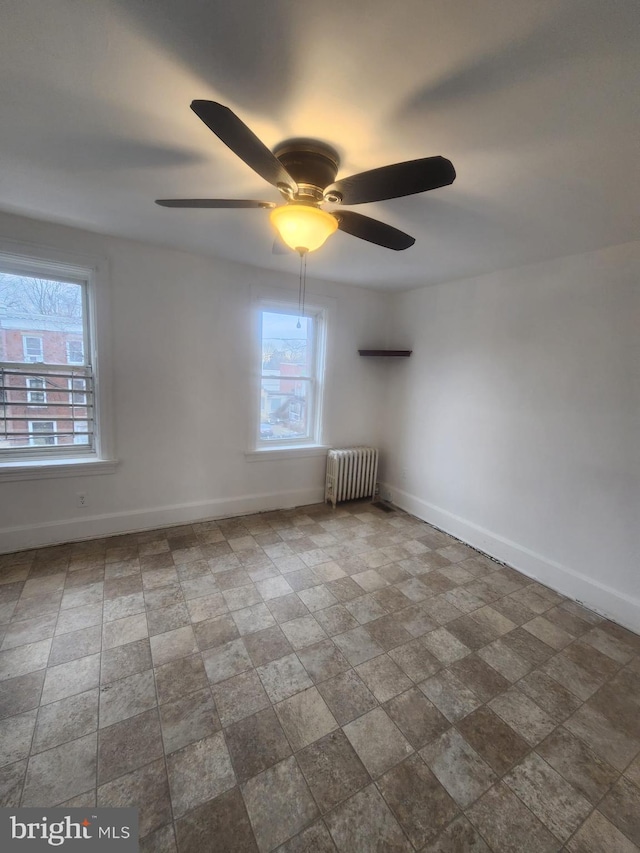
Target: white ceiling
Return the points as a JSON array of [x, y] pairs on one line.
[[534, 101]]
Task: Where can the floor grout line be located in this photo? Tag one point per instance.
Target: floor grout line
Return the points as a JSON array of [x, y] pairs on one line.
[[338, 527]]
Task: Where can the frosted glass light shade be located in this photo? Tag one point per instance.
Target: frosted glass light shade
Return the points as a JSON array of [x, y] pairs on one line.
[[302, 226]]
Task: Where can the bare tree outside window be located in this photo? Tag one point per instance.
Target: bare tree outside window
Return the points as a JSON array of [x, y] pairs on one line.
[[40, 296]]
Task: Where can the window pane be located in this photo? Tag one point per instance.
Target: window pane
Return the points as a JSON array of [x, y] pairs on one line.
[[45, 382], [36, 386], [284, 409], [40, 320], [79, 388], [80, 427], [286, 349], [59, 396], [32, 348], [75, 352], [46, 427]]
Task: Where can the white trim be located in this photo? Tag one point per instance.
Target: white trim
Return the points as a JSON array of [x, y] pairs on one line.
[[24, 258], [315, 380], [111, 524], [296, 452], [622, 608], [51, 469], [286, 298]]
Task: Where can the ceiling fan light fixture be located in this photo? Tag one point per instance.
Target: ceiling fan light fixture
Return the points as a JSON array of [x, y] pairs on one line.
[[304, 171], [303, 226]]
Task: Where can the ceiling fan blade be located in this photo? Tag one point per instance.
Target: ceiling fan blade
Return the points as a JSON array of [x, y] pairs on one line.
[[236, 135], [372, 230], [213, 202], [400, 179]]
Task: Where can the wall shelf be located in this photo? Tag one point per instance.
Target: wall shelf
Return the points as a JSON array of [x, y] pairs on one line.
[[386, 353]]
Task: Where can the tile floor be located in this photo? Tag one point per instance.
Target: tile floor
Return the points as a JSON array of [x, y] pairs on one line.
[[316, 680]]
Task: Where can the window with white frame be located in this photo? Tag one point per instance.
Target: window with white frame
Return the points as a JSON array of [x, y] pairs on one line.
[[291, 376], [43, 433], [45, 319], [32, 348], [80, 429], [36, 393], [75, 352], [78, 389]]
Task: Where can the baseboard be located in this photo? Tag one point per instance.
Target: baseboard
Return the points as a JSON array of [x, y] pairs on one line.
[[621, 608], [26, 536]]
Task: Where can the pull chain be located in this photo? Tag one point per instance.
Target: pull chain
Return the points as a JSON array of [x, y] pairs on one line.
[[302, 285]]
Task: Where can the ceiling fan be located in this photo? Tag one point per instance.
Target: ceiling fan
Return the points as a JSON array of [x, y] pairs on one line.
[[304, 171]]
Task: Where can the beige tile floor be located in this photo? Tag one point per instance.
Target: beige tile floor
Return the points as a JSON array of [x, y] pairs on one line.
[[316, 680]]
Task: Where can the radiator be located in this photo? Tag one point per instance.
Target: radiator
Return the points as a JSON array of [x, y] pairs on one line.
[[351, 473]]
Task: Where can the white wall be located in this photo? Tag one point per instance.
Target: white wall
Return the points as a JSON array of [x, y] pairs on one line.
[[182, 373], [515, 425]]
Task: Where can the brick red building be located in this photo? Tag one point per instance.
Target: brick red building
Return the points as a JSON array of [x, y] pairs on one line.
[[47, 402]]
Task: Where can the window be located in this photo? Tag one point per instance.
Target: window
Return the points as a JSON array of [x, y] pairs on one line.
[[36, 390], [292, 357], [78, 388], [81, 429], [42, 433], [45, 320], [32, 348], [75, 352]]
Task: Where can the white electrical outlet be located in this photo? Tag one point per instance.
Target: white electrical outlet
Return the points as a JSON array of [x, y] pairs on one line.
[[83, 499]]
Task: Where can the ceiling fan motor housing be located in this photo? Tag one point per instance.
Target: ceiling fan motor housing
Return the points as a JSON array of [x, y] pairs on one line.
[[312, 164]]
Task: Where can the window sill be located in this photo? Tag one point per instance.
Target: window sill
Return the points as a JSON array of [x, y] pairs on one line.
[[274, 453], [49, 469]]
